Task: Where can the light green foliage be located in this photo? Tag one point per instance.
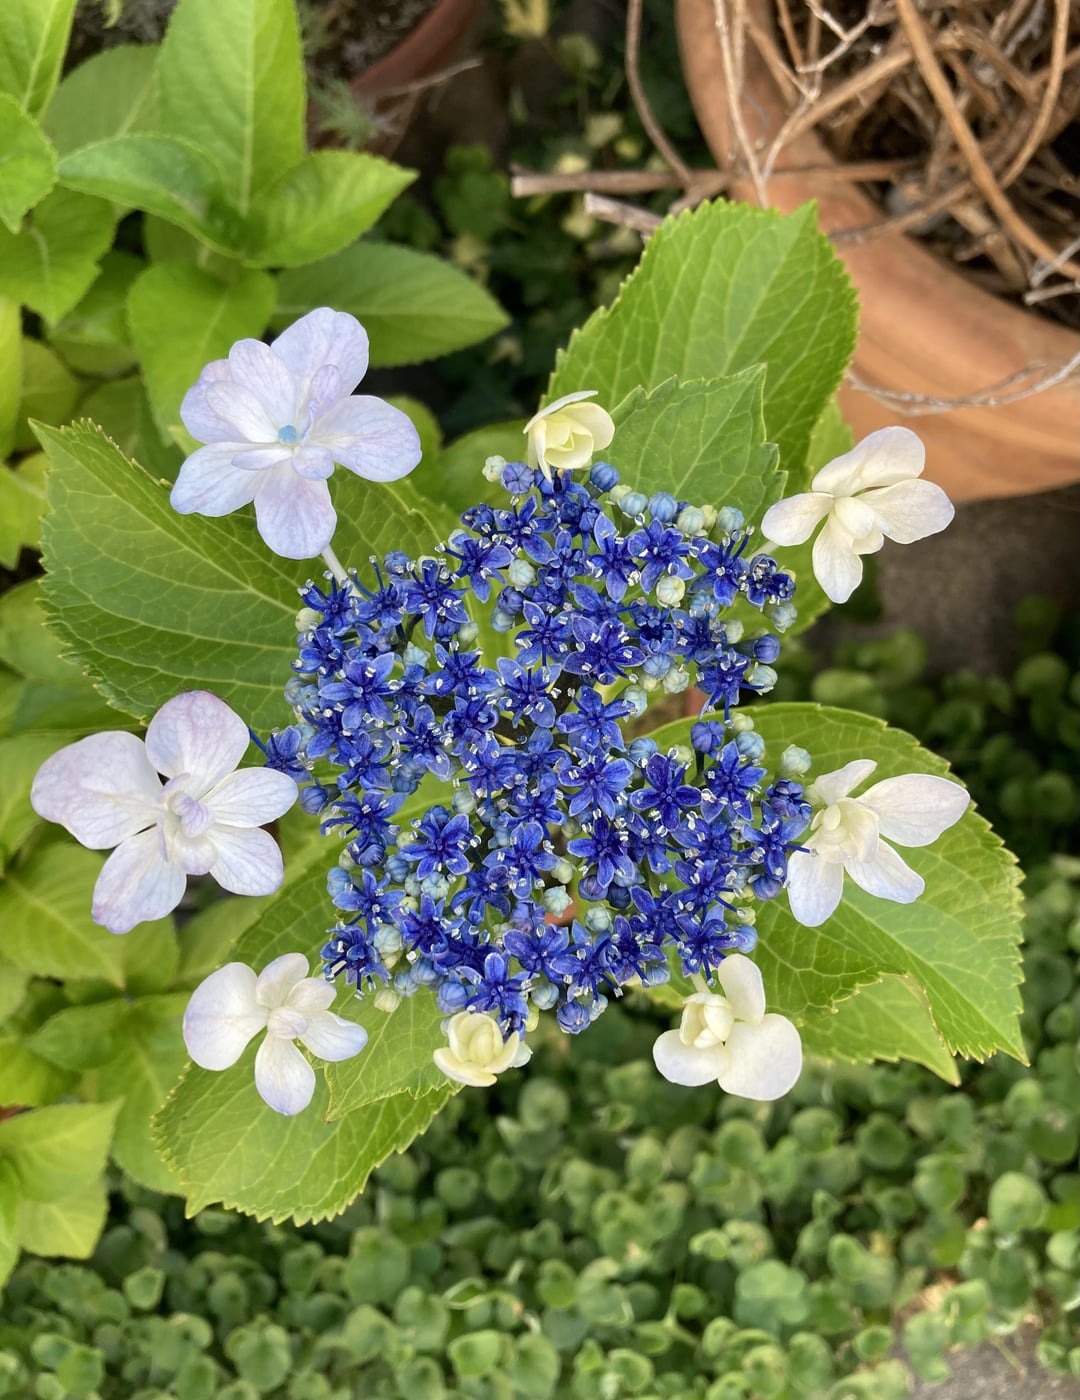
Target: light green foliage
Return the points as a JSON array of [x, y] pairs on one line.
[[205, 315], [456, 477], [94, 337], [321, 205], [49, 391], [52, 260], [27, 163], [413, 306], [205, 603], [702, 440], [11, 373], [230, 80], [959, 940], [33, 37], [112, 94], [717, 291], [886, 1020]]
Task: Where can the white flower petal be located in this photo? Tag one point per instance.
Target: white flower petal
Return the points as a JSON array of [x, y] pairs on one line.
[[295, 517], [916, 808], [260, 372], [462, 1071], [684, 1064], [222, 1016], [236, 404], [313, 463], [814, 888], [597, 422], [910, 510], [333, 1037], [762, 1061], [136, 885], [198, 734], [204, 423], [248, 860], [251, 797], [578, 397], [880, 459], [740, 978], [325, 337], [210, 484], [887, 876], [283, 1077], [836, 562], [312, 994], [102, 789], [831, 787], [278, 979], [795, 520], [372, 438]]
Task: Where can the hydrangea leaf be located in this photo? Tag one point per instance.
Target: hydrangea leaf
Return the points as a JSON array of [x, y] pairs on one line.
[[33, 40], [94, 337], [162, 175], [230, 77], [49, 391], [10, 1196], [11, 374], [152, 602], [59, 1150], [456, 474], [52, 260], [26, 1078], [959, 940], [719, 289], [321, 206], [703, 441], [68, 1227], [13, 982], [413, 306], [82, 1037], [27, 163], [397, 1058], [45, 915], [204, 314], [20, 758], [113, 93], [887, 1020]]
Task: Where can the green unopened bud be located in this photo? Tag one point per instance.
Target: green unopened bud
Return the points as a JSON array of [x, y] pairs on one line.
[[563, 870], [670, 591], [794, 762], [691, 520], [557, 901], [493, 468], [307, 619], [467, 633], [676, 680], [386, 999], [741, 722]]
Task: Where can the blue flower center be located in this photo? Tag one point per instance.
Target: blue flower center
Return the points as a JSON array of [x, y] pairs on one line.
[[288, 435]]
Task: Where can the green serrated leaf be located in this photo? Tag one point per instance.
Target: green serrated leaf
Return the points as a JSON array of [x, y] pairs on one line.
[[45, 914], [456, 476], [718, 289], [153, 602], [20, 758], [702, 440], [33, 39], [887, 1020], [112, 94], [94, 337], [27, 1079], [68, 1227], [206, 940], [27, 163], [959, 940], [413, 306], [49, 391], [231, 79], [25, 643], [58, 1150], [204, 315], [10, 1195], [397, 1058], [320, 206], [11, 380], [82, 1037], [13, 982], [54, 258], [121, 408]]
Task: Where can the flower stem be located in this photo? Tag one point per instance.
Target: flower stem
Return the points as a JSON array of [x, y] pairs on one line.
[[333, 563]]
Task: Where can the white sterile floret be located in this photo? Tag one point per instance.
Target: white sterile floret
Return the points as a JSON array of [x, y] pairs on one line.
[[732, 1039], [276, 418], [477, 1051], [869, 494], [233, 1004], [205, 819], [849, 834], [564, 435]]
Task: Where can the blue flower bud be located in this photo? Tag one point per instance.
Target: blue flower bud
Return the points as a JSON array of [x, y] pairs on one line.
[[729, 520], [766, 648], [298, 692], [544, 995], [633, 504], [619, 896], [387, 942], [435, 885], [591, 888], [397, 869], [794, 762], [641, 750], [518, 477], [658, 666], [603, 476], [663, 507], [573, 1018], [780, 615], [397, 562], [746, 938], [708, 736], [313, 799], [452, 998], [751, 745]]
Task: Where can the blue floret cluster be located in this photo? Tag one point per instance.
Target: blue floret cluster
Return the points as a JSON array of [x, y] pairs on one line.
[[509, 843]]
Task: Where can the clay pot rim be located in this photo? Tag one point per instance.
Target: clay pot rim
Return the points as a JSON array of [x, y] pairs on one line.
[[421, 50]]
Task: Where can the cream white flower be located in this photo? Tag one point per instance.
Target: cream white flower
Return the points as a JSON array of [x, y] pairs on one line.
[[564, 435], [205, 819], [868, 494], [477, 1051], [847, 835], [731, 1038], [233, 1004]]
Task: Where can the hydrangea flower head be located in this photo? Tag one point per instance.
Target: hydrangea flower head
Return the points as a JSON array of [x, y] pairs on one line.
[[205, 818], [869, 494], [277, 418], [232, 1005]]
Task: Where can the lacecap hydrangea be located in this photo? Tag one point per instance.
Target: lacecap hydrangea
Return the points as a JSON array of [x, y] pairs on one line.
[[509, 843]]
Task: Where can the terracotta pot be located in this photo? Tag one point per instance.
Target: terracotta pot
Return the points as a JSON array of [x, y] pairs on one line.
[[925, 328], [423, 51]]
